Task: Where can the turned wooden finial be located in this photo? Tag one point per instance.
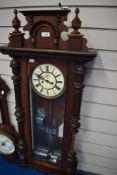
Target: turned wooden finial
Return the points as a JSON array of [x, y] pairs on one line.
[[16, 23], [76, 23], [16, 38]]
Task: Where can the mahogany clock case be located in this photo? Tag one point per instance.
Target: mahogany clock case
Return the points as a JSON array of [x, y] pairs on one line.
[[47, 126]]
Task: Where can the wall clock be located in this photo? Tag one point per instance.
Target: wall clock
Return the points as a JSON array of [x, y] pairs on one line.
[[8, 143], [8, 136], [48, 74]]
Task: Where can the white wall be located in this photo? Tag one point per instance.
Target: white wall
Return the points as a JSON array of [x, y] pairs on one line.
[[96, 143]]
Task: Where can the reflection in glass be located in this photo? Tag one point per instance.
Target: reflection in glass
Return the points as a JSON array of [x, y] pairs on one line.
[[0, 116], [47, 127]]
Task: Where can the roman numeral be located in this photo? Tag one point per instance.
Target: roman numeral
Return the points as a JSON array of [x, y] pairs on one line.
[[41, 69], [54, 92], [37, 75], [36, 79], [41, 89], [58, 88], [47, 68], [47, 92], [58, 75], [53, 69], [37, 85], [59, 81]]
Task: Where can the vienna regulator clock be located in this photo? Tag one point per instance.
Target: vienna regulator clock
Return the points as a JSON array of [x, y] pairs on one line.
[[48, 74]]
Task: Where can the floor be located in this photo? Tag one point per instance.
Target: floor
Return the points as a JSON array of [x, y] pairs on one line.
[[14, 169]]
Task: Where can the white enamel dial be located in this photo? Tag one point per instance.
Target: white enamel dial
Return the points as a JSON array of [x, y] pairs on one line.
[[48, 81], [6, 144]]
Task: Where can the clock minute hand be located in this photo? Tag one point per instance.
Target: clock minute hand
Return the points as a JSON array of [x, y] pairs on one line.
[[46, 80], [39, 76], [49, 82], [42, 78]]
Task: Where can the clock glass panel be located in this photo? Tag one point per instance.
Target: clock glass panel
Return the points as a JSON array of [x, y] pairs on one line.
[[47, 112], [0, 117]]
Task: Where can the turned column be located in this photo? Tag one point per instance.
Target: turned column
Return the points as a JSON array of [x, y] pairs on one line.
[[19, 113]]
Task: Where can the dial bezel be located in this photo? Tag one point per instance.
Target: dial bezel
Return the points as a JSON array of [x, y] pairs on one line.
[[40, 94]]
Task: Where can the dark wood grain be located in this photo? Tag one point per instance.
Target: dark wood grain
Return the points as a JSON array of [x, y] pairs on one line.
[[15, 65]]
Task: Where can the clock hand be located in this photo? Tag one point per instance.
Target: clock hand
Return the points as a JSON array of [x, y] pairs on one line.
[[49, 82], [37, 75], [47, 75], [41, 77], [3, 143]]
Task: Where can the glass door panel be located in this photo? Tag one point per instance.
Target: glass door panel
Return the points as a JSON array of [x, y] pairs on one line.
[[47, 122]]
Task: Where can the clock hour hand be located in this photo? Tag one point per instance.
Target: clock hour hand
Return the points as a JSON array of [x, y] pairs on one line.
[[3, 143], [42, 78], [48, 81]]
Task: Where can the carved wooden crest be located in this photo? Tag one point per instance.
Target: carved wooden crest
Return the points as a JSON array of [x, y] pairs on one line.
[[45, 28]]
